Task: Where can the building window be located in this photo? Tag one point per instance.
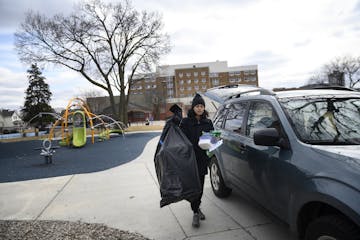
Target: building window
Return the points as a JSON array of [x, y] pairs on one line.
[[250, 72], [196, 87], [189, 88], [188, 74], [250, 78], [154, 86], [139, 87], [234, 80], [182, 89], [203, 80], [203, 87], [148, 86], [203, 73], [196, 74], [196, 80], [214, 75], [180, 75], [234, 73], [181, 82], [215, 81], [189, 81]]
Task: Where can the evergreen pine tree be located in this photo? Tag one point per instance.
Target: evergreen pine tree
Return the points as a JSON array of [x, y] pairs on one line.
[[37, 98]]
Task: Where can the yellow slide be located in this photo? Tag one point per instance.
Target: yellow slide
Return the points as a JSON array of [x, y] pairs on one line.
[[79, 129]]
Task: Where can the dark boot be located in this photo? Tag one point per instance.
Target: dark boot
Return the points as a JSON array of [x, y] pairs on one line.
[[201, 215], [196, 220]]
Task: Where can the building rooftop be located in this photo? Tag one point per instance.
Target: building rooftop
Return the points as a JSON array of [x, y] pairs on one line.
[[218, 66]]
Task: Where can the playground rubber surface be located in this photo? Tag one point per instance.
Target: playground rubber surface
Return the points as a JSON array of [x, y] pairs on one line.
[[20, 161]]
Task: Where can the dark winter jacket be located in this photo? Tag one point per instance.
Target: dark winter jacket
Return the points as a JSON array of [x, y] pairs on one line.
[[193, 130]]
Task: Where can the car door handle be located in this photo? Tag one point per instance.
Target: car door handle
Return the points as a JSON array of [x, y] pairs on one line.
[[242, 147]]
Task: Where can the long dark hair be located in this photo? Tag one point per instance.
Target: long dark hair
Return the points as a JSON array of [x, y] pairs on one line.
[[191, 114]]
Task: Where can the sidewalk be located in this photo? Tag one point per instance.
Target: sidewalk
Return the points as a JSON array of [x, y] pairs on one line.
[[127, 197]]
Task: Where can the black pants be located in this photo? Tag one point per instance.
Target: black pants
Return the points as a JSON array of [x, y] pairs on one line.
[[196, 204]]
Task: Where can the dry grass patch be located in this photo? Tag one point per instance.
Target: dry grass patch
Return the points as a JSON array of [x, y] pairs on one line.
[[130, 129], [144, 128]]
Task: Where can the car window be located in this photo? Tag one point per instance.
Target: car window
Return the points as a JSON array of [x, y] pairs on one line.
[[261, 115], [323, 120], [219, 117], [235, 116]]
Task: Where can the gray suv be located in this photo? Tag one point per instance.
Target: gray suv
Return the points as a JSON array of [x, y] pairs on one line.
[[297, 153]]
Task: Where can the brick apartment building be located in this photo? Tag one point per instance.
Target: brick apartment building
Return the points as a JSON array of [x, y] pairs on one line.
[[178, 84]]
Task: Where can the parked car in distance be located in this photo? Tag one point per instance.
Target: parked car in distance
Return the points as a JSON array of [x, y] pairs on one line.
[[296, 153]]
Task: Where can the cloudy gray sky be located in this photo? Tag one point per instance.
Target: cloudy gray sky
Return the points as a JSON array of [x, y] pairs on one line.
[[289, 40]]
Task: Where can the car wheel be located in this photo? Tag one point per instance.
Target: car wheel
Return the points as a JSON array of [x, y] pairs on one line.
[[217, 182], [332, 227]]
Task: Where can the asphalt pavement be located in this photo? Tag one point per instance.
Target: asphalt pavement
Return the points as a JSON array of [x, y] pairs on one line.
[[114, 183], [22, 161]]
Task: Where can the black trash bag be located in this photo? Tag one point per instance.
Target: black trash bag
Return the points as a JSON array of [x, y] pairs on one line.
[[176, 168], [175, 119]]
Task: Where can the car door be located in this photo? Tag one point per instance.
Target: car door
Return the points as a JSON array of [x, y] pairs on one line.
[[219, 121], [232, 149], [267, 165]]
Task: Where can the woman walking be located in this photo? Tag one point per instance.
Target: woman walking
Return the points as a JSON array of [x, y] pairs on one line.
[[193, 126]]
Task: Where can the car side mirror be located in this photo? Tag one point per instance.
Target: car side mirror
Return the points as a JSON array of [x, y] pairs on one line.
[[270, 137]]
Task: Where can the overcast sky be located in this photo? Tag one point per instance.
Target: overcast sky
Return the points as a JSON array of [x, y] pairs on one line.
[[288, 40]]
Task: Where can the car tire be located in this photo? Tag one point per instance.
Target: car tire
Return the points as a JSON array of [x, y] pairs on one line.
[[217, 182], [332, 227]]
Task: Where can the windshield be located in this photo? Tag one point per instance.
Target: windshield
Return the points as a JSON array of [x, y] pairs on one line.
[[325, 120]]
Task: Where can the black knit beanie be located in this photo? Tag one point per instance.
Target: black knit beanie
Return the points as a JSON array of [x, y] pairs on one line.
[[197, 100]]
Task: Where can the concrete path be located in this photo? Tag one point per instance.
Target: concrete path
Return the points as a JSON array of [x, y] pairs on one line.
[[127, 197]]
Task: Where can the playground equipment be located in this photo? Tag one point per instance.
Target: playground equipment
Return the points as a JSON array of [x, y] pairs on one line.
[[47, 150], [79, 129], [78, 114]]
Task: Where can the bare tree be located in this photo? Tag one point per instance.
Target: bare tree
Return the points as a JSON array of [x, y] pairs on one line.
[[350, 66], [89, 93], [91, 97], [317, 78], [100, 41], [157, 98]]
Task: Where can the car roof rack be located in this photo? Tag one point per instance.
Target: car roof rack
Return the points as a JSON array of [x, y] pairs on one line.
[[261, 91], [333, 87], [227, 92]]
